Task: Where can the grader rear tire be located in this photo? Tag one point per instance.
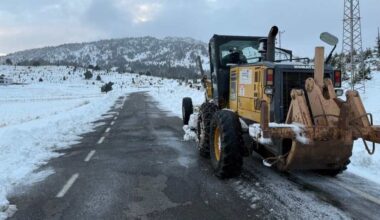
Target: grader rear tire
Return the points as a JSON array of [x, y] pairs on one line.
[[206, 112], [225, 144]]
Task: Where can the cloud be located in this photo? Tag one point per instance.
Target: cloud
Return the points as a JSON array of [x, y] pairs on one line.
[[140, 12], [145, 12], [51, 8], [29, 24]]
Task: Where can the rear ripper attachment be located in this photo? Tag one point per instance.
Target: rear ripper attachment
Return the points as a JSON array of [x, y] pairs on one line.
[[320, 127]]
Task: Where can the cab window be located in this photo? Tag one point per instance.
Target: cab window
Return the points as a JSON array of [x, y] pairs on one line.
[[239, 52]]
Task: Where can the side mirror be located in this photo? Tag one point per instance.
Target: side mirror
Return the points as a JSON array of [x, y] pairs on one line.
[[329, 39]]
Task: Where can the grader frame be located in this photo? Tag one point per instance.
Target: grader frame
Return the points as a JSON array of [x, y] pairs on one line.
[[291, 111]]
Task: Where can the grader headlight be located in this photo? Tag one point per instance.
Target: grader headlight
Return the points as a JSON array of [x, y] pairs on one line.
[[268, 91], [339, 92]]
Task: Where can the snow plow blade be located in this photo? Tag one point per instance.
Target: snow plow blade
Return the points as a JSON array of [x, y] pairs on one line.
[[312, 148]]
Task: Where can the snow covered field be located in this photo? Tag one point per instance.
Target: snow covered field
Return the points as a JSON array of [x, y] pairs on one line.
[[38, 118]]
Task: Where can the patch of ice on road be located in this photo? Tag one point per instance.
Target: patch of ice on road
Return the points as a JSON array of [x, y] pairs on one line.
[[149, 187], [289, 202], [248, 193], [185, 161]]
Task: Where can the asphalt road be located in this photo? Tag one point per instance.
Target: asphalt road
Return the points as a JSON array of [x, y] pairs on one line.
[[137, 166]]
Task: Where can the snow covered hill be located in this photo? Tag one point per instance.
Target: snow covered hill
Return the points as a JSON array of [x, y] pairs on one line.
[[158, 56], [52, 106]]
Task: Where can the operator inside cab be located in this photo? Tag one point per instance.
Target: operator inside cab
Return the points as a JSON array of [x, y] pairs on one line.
[[235, 56]]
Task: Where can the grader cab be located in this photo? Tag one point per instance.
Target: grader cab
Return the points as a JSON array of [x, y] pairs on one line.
[[289, 108]]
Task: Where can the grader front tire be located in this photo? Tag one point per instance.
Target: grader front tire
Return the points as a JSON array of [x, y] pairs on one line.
[[225, 144]]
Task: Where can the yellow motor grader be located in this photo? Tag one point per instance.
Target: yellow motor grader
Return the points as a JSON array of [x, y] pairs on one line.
[[289, 107]]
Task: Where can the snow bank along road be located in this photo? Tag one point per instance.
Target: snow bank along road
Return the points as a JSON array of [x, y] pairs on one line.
[[137, 166]]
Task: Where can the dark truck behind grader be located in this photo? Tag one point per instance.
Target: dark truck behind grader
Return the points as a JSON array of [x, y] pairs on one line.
[[290, 109]]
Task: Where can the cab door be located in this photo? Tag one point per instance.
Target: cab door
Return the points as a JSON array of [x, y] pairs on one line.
[[250, 92], [245, 90]]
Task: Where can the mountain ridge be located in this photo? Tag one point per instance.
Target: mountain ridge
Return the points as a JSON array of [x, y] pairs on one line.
[[173, 56]]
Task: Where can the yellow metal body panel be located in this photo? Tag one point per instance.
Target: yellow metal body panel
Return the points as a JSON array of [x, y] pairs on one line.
[[247, 91]]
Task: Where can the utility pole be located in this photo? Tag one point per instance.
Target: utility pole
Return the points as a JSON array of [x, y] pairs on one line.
[[352, 43]]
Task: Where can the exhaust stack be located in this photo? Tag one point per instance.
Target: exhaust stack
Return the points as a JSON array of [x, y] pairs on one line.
[[271, 44]]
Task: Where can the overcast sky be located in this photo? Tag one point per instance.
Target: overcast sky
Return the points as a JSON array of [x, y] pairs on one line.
[[26, 24]]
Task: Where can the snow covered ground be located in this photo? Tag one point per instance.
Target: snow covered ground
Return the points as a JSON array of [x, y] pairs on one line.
[[363, 164], [38, 118]]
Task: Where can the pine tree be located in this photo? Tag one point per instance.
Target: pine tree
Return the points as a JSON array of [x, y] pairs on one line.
[[88, 74], [368, 53], [8, 61]]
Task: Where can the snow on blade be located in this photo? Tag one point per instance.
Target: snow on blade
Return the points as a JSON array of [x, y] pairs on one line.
[[256, 132], [300, 136]]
